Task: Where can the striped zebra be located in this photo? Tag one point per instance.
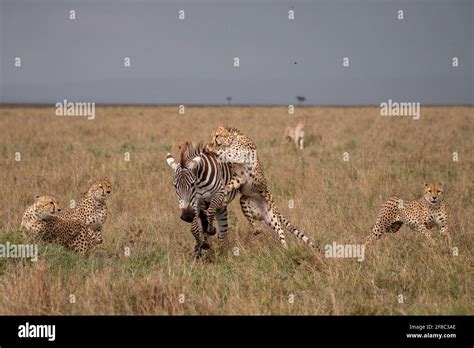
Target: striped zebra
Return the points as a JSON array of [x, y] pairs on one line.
[[199, 181]]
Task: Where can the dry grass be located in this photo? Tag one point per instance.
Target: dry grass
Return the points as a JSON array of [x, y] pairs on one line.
[[334, 201]]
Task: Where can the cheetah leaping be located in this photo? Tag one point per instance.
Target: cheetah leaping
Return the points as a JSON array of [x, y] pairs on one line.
[[233, 147], [420, 215]]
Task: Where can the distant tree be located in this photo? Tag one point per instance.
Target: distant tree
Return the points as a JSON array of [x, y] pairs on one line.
[[229, 99], [300, 98]]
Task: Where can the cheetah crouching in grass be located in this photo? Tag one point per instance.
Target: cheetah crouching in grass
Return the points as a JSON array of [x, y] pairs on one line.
[[41, 222], [233, 147], [91, 209], [420, 215]]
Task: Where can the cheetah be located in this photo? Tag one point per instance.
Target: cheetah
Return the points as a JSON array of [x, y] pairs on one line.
[[34, 219], [420, 215], [91, 209], [295, 134], [233, 147], [41, 222]]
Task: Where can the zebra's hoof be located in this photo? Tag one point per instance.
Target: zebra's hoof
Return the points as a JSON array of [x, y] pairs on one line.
[[205, 245], [211, 230], [197, 253]]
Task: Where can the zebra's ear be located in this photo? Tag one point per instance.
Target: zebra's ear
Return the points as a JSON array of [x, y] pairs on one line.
[[195, 161], [171, 162]]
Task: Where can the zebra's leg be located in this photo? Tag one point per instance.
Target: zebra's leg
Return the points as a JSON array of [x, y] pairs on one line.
[[204, 225], [203, 219], [200, 244], [247, 209], [221, 217], [229, 197], [216, 202]]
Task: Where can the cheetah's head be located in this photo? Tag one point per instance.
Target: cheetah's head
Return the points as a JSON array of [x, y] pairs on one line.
[[231, 146], [47, 206], [100, 189], [434, 193]]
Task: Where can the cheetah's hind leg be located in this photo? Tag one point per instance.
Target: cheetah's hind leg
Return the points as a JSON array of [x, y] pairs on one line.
[[377, 231], [393, 228], [247, 210]]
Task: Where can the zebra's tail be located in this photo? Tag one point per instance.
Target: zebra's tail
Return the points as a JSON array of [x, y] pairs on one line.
[[300, 235]]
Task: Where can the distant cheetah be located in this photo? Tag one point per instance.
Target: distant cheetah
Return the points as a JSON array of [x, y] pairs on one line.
[[420, 215], [91, 209], [295, 134], [40, 222]]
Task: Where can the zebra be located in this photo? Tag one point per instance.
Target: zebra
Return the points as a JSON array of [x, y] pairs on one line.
[[199, 181]]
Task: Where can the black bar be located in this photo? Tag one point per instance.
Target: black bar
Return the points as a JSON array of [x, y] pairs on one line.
[[261, 330]]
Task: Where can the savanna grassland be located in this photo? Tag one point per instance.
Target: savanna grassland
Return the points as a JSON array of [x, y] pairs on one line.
[[334, 200]]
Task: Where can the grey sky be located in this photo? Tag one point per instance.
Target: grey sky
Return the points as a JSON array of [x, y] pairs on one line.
[[191, 61]]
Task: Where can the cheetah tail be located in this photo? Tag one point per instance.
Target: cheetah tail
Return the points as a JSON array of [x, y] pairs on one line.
[[285, 222]]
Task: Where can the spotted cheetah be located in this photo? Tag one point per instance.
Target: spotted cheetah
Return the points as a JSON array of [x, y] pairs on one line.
[[233, 147], [295, 134], [34, 219], [91, 209], [40, 222], [420, 215]]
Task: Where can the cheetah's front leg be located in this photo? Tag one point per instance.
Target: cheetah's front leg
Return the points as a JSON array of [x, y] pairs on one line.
[[444, 230], [424, 231], [442, 221]]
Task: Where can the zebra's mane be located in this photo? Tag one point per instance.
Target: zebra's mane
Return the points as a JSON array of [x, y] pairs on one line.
[[189, 151]]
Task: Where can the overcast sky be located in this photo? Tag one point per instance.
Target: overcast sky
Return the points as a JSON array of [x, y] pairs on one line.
[[191, 60]]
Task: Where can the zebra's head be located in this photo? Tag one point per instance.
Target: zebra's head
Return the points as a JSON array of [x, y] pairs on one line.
[[185, 184]]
